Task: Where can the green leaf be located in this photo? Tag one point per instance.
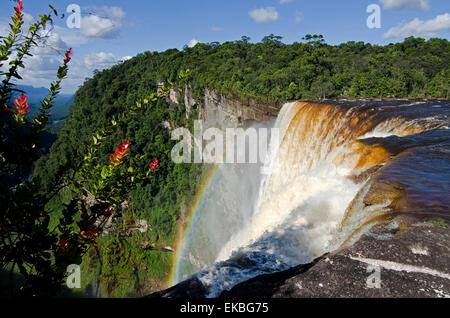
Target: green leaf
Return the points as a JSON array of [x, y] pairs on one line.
[[54, 10], [105, 172]]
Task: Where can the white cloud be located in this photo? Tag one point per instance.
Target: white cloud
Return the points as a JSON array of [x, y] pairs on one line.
[[72, 37], [83, 67], [216, 29], [405, 4], [106, 24], [40, 69], [264, 15], [114, 12], [284, 1], [125, 58], [96, 27], [48, 43], [99, 60], [193, 42], [418, 27]]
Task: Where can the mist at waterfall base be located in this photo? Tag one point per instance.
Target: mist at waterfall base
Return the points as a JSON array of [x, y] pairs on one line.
[[256, 219]]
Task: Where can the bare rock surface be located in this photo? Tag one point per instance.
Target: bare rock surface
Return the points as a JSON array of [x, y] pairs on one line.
[[384, 263]]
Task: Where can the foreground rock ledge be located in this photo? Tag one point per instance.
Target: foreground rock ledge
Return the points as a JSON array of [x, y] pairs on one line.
[[413, 262]]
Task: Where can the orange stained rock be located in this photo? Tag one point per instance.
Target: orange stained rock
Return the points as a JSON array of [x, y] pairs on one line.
[[369, 155]]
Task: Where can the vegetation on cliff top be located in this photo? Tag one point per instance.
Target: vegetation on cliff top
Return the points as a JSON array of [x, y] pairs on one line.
[[272, 71]]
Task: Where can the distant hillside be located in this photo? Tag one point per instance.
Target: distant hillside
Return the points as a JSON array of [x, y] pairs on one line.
[[37, 94], [58, 113]]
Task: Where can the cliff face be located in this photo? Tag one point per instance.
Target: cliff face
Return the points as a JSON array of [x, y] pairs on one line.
[[217, 110]]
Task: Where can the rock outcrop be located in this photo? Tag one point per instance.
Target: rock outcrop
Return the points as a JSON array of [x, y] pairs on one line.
[[386, 262], [217, 110]]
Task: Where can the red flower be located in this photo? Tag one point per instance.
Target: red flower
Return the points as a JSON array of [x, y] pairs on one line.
[[123, 149], [154, 164], [68, 56], [114, 160], [120, 153], [18, 9], [21, 104], [63, 244], [89, 234], [109, 212]]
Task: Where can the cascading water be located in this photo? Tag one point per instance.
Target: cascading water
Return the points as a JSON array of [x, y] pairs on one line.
[[250, 223]]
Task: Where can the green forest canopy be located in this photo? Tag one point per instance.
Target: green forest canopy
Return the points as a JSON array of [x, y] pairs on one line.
[[273, 71]]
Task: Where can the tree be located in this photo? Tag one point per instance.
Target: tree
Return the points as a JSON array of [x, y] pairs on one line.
[[315, 39], [245, 39], [272, 39], [322, 88], [41, 248]]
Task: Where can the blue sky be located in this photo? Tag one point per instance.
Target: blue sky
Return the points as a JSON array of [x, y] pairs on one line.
[[114, 30]]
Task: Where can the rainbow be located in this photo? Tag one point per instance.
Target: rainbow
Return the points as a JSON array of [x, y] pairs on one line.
[[184, 228]]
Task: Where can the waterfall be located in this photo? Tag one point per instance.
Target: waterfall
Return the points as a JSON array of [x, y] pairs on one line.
[[315, 180]]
